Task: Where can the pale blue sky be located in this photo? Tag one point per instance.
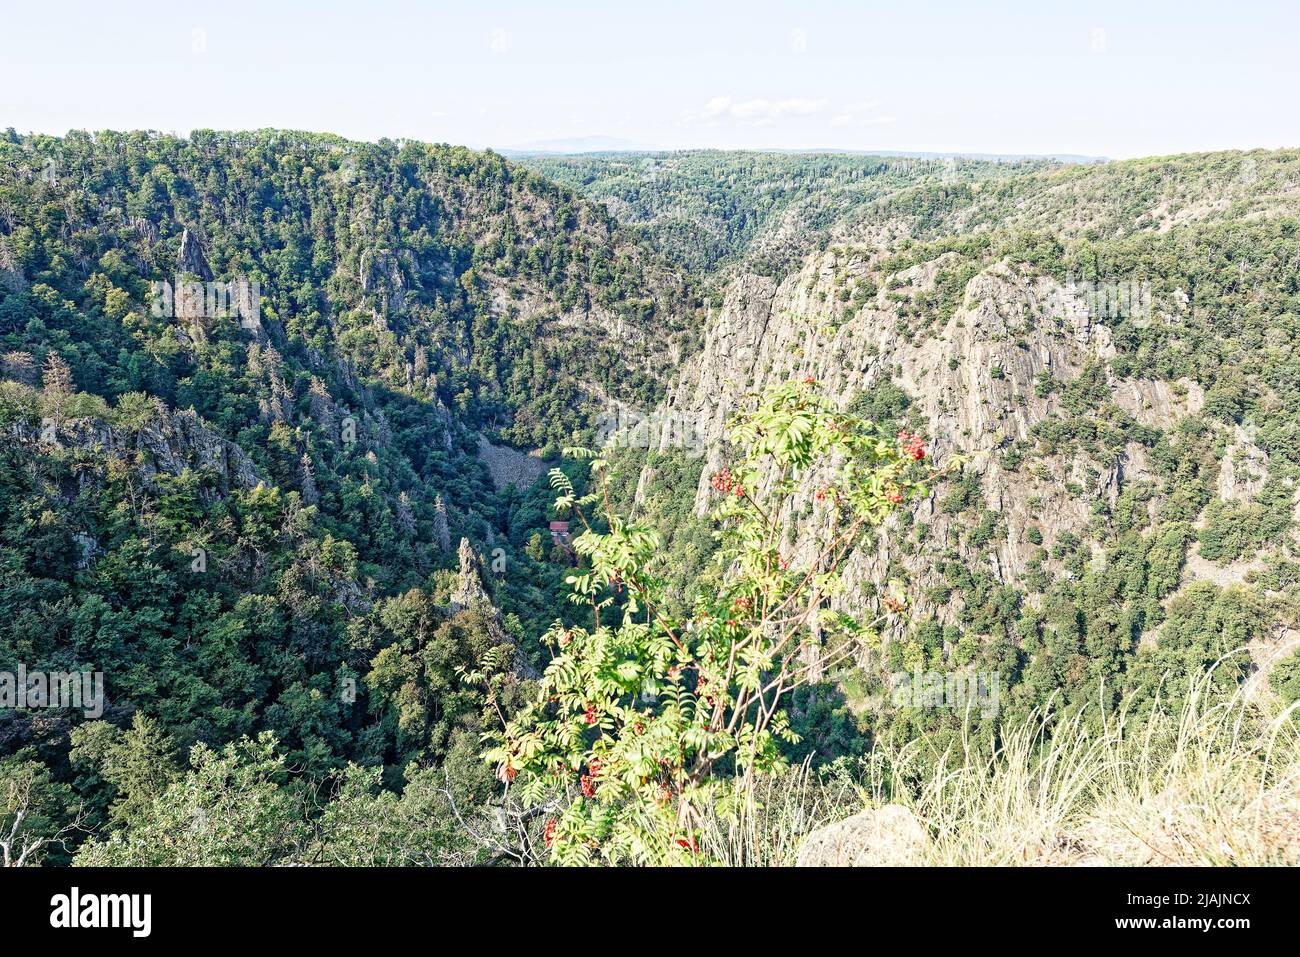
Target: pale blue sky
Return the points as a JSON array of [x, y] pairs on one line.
[[1102, 78]]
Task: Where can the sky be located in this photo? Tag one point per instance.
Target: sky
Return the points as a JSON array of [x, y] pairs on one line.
[[1114, 79]]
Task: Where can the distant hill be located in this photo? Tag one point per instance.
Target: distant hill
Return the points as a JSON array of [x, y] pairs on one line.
[[704, 210]]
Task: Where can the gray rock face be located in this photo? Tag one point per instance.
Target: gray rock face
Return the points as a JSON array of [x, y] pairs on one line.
[[469, 593], [190, 259], [180, 440], [469, 588], [1243, 469], [976, 380], [168, 444], [889, 836]]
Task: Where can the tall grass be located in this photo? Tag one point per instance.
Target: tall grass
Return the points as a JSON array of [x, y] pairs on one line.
[[1214, 780], [765, 822]]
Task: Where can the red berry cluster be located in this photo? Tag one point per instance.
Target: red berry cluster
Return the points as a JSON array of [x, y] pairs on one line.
[[894, 495], [702, 688], [590, 714], [913, 445], [588, 785], [689, 844], [725, 482], [548, 835], [809, 380], [743, 603]]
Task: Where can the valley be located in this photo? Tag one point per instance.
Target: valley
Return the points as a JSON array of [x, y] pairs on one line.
[[317, 557]]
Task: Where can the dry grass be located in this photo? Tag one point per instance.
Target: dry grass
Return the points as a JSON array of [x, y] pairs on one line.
[[1214, 782], [763, 827]]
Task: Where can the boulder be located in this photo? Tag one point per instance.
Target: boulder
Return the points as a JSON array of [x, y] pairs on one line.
[[889, 836]]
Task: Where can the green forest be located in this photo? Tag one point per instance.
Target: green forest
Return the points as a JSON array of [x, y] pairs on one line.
[[329, 634]]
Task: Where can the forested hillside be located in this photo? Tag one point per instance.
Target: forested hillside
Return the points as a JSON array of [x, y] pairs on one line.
[[246, 518], [1110, 349], [1030, 422], [704, 210]]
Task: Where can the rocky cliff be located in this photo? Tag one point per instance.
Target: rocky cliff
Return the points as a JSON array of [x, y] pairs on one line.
[[990, 377]]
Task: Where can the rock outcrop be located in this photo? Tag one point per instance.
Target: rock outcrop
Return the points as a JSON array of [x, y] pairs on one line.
[[982, 382], [181, 440], [469, 592], [888, 836], [469, 589], [1243, 468], [190, 259], [168, 443]]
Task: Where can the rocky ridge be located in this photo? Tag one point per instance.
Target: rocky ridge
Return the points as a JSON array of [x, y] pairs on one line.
[[973, 382], [981, 383]]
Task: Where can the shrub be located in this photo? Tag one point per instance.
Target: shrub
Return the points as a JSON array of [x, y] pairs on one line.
[[645, 721]]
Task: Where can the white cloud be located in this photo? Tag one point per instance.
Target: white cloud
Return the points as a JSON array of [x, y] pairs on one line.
[[715, 107], [755, 112], [860, 114]]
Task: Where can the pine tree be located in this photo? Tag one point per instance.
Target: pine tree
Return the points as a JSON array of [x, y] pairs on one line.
[[307, 481], [57, 379]]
